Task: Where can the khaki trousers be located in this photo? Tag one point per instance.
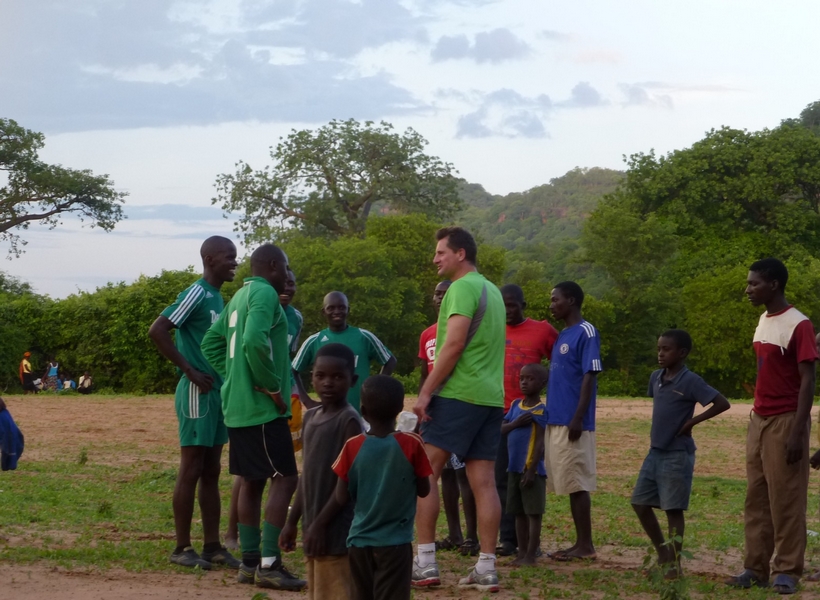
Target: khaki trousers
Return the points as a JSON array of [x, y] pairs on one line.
[[329, 578], [776, 496]]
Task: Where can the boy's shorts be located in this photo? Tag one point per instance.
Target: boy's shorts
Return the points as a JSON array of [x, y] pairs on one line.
[[200, 416], [261, 451], [469, 431], [665, 480], [382, 572], [329, 577], [530, 500], [570, 465]]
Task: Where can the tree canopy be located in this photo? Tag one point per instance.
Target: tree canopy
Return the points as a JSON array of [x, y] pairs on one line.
[[327, 181], [36, 192]]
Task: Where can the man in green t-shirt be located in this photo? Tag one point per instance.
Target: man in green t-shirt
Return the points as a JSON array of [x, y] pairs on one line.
[[248, 347], [461, 404], [366, 348], [198, 404]]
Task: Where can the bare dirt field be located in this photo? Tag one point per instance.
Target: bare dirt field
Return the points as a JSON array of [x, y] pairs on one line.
[[129, 431]]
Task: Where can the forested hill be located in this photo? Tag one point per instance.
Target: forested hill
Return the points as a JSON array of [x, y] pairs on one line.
[[545, 215]]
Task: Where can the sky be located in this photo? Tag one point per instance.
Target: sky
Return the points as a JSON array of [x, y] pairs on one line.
[[164, 95]]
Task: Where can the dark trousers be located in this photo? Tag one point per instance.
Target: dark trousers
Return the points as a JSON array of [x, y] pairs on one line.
[[381, 573], [507, 528]]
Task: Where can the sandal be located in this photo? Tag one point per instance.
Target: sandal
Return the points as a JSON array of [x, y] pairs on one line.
[[784, 585], [470, 547], [446, 544]]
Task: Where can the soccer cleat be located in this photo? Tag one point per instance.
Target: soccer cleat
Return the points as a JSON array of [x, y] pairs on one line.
[[189, 558], [223, 558], [488, 582], [425, 576], [277, 577], [246, 574]]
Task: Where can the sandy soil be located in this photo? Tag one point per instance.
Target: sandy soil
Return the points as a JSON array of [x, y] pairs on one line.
[[143, 430]]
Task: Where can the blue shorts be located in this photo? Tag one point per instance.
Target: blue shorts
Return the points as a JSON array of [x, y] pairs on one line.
[[469, 431], [665, 480]]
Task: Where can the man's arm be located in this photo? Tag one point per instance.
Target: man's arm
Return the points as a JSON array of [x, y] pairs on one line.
[[576, 426], [805, 398], [538, 451], [215, 345], [389, 366], [304, 398], [448, 356], [719, 404], [160, 334]]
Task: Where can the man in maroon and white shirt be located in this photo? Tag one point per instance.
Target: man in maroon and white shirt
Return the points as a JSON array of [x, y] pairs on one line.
[[777, 440]]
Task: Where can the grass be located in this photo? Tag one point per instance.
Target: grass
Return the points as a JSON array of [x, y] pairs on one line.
[[77, 511]]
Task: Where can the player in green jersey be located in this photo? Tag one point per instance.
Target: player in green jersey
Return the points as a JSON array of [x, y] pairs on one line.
[[366, 347], [248, 347], [198, 404]]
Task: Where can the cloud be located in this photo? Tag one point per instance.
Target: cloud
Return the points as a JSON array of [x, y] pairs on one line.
[[660, 94], [92, 64], [493, 46], [177, 213], [583, 95], [638, 95], [554, 36], [506, 113]]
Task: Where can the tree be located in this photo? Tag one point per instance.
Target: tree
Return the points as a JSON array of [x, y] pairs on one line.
[[327, 182], [38, 192]]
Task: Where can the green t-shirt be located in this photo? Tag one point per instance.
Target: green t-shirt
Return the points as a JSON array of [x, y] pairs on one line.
[[194, 311], [478, 377], [366, 347], [248, 346]]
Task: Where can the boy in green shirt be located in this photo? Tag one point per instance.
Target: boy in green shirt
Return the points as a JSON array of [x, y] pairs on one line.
[[366, 347], [248, 347]]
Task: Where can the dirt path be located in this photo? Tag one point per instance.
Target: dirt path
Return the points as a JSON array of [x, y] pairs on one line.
[[124, 431]]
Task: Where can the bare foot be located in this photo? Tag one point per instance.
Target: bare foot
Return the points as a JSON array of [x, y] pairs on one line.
[[524, 561], [814, 576], [231, 543]]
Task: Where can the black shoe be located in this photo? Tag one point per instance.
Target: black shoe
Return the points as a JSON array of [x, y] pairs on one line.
[[222, 557], [189, 558], [506, 549], [277, 577], [470, 547], [746, 580]]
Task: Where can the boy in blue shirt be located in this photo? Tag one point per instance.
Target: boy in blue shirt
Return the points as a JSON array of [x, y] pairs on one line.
[[11, 440], [524, 426], [383, 472], [665, 480]]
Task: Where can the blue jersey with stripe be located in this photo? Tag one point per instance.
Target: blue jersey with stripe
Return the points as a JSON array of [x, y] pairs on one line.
[[193, 312], [577, 351]]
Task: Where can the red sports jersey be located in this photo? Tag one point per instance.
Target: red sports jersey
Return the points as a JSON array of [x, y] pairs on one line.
[[782, 341], [528, 342], [427, 346]]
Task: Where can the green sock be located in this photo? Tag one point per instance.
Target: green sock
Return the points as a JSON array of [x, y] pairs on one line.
[[249, 538], [270, 540]]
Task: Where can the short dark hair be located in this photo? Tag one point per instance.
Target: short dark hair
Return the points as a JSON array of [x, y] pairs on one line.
[[771, 269], [538, 368], [681, 338], [383, 398], [571, 290], [459, 238], [513, 290], [341, 352]]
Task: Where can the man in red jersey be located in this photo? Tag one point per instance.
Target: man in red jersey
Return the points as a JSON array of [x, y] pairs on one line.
[[528, 341], [777, 440]]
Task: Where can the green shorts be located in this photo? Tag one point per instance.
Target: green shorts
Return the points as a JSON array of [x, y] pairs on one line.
[[530, 500], [200, 416]]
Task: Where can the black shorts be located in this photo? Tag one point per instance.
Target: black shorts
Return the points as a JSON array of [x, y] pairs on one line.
[[469, 431], [261, 451], [381, 573]]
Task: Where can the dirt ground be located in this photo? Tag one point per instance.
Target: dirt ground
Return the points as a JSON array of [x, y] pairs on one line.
[[126, 431]]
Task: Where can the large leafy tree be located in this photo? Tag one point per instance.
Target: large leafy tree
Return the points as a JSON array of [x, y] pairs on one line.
[[327, 181], [676, 239], [36, 192]]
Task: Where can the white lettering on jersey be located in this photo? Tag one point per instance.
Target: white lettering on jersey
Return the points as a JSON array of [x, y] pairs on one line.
[[214, 316], [232, 349], [355, 361]]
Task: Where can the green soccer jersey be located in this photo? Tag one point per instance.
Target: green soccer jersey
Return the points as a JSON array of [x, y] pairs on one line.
[[295, 321], [248, 347], [193, 313], [478, 377], [366, 347]]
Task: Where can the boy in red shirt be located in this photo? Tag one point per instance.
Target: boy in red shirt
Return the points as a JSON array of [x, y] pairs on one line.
[[777, 441]]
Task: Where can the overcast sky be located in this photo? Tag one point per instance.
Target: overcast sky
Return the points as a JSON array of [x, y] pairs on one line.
[[163, 95]]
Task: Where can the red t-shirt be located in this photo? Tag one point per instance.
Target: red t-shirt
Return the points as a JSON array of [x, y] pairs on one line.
[[528, 342], [782, 341], [427, 346]]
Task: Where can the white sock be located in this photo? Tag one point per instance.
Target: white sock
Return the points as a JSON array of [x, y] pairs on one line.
[[485, 564], [426, 554], [267, 561]]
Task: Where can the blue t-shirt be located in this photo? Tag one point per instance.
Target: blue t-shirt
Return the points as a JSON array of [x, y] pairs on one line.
[[521, 440], [11, 442], [673, 404], [577, 351]]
